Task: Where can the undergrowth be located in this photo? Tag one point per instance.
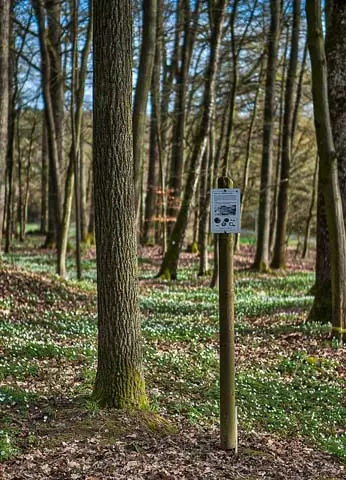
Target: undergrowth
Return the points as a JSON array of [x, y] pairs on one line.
[[290, 378]]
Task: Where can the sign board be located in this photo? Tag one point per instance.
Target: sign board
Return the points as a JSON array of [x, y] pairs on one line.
[[225, 210]]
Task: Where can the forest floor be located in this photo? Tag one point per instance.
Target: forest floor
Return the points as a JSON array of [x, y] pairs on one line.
[[290, 378]]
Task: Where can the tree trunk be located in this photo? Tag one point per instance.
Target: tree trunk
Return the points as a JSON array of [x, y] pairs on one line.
[[328, 163], [148, 235], [204, 204], [44, 180], [274, 211], [226, 163], [20, 168], [83, 192], [279, 254], [4, 99], [177, 158], [146, 63], [262, 251], [24, 217], [248, 153], [336, 62], [305, 252], [119, 380], [72, 178], [170, 262], [299, 91], [12, 113], [52, 115], [56, 80]]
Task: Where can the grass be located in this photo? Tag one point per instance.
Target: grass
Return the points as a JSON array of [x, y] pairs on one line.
[[289, 377]]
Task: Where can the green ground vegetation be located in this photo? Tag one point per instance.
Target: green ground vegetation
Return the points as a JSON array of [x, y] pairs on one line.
[[290, 377]]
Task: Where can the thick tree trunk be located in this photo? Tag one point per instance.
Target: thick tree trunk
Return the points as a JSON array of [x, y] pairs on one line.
[[321, 310], [328, 162], [262, 250], [119, 380], [170, 262], [4, 99], [335, 52], [336, 62], [279, 254]]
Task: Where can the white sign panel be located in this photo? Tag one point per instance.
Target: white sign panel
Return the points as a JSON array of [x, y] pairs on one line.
[[225, 210]]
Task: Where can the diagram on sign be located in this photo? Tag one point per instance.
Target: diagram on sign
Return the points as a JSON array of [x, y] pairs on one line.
[[225, 210]]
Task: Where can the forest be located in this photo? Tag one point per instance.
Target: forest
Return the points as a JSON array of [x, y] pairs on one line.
[[135, 342]]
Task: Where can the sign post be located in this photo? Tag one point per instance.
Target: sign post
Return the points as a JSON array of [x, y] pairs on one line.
[[225, 220]]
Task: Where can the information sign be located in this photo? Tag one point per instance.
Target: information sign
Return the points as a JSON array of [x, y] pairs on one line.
[[225, 210]]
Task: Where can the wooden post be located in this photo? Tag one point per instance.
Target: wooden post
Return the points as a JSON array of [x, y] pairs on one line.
[[228, 414]]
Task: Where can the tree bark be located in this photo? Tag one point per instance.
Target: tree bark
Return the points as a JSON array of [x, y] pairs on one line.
[[178, 144], [279, 254], [248, 153], [119, 380], [170, 262], [328, 165], [262, 250], [274, 212], [44, 180], [305, 252], [146, 63], [52, 109], [148, 234], [4, 99], [204, 208]]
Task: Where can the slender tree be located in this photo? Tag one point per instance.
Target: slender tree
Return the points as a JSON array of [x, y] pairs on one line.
[[305, 252], [146, 63], [262, 249], [119, 380], [180, 113], [279, 254], [170, 261], [4, 98], [52, 108]]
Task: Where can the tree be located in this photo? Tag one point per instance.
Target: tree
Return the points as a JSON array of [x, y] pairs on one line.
[[279, 254], [262, 249], [145, 69], [4, 96], [119, 380], [328, 166], [170, 261], [179, 126], [53, 103]]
